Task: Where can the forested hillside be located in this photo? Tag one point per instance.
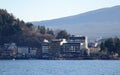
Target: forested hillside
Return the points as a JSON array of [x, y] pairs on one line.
[[23, 34]]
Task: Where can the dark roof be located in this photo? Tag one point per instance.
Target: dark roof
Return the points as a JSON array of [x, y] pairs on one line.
[[71, 43], [74, 38], [45, 44]]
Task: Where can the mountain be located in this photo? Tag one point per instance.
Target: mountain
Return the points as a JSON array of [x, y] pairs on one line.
[[103, 22]]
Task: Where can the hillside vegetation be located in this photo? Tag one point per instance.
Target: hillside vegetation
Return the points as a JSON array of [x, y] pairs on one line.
[[23, 34]]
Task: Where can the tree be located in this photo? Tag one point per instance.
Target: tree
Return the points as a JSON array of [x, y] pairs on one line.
[[109, 43], [102, 46], [29, 25], [117, 45], [112, 45], [42, 29], [49, 31], [62, 34]]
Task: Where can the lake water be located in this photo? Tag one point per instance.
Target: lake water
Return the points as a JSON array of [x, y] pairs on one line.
[[59, 67]]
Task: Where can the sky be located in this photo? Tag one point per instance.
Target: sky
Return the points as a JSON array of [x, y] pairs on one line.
[[38, 10]]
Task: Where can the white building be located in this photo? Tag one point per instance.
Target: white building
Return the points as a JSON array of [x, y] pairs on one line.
[[83, 40], [12, 46], [76, 44], [63, 41], [45, 46]]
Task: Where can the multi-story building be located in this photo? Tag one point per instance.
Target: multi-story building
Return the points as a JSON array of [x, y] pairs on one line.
[[55, 47], [76, 44], [45, 49], [79, 39], [71, 47], [52, 48]]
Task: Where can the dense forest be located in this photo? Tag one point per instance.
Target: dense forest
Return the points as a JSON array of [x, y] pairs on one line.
[[25, 34]]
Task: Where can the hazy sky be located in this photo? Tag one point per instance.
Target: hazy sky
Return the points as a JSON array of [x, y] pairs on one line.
[[36, 10]]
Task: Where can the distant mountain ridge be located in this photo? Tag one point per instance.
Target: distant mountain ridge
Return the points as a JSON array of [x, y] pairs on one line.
[[102, 22]]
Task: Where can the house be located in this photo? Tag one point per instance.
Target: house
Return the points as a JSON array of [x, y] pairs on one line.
[[45, 48], [10, 50], [12, 46], [23, 51], [6, 45], [32, 52], [55, 47]]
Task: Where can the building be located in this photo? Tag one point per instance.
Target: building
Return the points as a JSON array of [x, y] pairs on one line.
[[32, 52], [93, 45], [55, 47], [71, 47], [52, 48], [76, 45], [63, 41], [9, 50], [23, 51], [45, 49], [94, 50], [13, 47], [79, 39]]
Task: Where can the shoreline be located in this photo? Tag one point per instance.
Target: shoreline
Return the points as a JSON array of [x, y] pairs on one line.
[[80, 58]]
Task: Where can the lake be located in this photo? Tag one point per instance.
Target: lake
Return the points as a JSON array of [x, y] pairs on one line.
[[59, 67]]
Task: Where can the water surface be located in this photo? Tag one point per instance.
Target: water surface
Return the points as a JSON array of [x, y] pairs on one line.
[[60, 67]]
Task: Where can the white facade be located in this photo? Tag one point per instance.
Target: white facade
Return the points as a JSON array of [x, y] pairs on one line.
[[83, 40], [12, 46], [76, 44], [45, 47], [63, 41]]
